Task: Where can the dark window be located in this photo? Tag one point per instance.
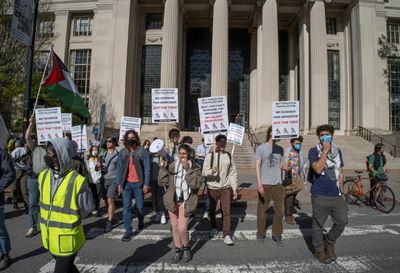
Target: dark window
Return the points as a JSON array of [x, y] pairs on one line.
[[154, 21], [393, 33], [79, 66], [334, 88], [151, 74], [46, 28], [83, 25], [41, 59], [394, 93], [331, 26]]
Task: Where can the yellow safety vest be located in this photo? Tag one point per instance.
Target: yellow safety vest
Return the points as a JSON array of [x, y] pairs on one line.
[[60, 220]]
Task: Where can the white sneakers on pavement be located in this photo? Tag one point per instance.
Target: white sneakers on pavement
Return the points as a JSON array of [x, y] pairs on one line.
[[228, 240], [163, 219]]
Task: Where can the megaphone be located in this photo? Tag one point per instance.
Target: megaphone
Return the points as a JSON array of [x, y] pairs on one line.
[[158, 147]]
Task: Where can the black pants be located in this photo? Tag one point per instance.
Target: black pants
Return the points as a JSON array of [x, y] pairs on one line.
[[323, 207], [65, 264]]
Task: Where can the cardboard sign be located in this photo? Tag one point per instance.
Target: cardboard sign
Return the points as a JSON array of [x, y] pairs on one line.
[[235, 134], [3, 133], [213, 115], [129, 123], [79, 135], [22, 21], [164, 105], [66, 120], [285, 119], [48, 124]]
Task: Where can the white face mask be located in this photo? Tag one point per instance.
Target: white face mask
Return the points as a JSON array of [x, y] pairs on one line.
[[94, 153]]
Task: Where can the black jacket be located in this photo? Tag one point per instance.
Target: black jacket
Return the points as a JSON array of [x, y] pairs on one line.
[[7, 173]]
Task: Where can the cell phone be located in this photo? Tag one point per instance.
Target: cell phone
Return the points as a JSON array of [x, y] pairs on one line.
[[261, 197]]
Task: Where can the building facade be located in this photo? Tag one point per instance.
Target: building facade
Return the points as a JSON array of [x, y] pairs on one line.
[[339, 58]]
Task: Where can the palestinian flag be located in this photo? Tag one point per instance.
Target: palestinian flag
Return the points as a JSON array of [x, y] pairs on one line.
[[60, 85]]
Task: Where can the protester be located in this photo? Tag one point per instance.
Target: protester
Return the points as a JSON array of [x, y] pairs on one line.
[[377, 171], [327, 178], [7, 176], [269, 159], [182, 179], [65, 199], [157, 192], [133, 178], [174, 143], [78, 164], [201, 153], [294, 165], [222, 183], [20, 156], [189, 141], [93, 167], [38, 165], [146, 144], [109, 175]]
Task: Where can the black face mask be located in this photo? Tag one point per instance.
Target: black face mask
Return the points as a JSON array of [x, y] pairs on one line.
[[51, 162], [131, 142]]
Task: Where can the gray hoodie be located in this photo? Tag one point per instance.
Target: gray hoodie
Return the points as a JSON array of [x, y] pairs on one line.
[[64, 151]]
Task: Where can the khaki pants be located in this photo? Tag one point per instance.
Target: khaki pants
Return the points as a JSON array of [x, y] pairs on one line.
[[225, 196], [271, 193]]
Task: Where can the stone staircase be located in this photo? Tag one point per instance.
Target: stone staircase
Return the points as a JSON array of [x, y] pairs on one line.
[[243, 155]]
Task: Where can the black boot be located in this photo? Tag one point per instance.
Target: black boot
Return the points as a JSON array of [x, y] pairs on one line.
[[187, 255], [177, 256]]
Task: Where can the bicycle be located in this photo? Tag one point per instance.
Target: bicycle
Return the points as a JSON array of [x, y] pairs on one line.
[[384, 198]]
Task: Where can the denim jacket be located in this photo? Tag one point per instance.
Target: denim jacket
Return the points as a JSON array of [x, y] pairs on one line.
[[141, 159]]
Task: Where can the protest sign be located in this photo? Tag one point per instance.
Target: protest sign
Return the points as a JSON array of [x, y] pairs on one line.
[[285, 119], [129, 123], [79, 135], [164, 105], [66, 120], [213, 113], [208, 139], [3, 133], [235, 134], [48, 124]]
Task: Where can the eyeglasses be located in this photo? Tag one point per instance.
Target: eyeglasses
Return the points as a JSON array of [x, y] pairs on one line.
[[110, 141]]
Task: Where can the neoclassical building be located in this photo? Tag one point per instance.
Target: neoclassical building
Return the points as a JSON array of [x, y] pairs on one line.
[[337, 57]]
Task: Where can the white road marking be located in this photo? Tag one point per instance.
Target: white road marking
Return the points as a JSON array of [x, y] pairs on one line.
[[204, 235], [349, 264]]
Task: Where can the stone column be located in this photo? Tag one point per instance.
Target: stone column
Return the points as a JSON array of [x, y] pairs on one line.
[[219, 65], [319, 65], [62, 31], [169, 53], [270, 63], [292, 67], [253, 78], [259, 105], [304, 49]]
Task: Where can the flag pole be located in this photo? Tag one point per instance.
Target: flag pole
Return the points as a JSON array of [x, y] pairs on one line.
[[41, 81]]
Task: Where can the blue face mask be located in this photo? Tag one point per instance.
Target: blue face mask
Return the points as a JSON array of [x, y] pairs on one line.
[[326, 139], [297, 147]]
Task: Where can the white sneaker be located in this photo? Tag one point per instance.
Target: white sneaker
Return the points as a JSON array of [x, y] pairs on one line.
[[163, 219], [206, 215], [228, 240], [213, 232]]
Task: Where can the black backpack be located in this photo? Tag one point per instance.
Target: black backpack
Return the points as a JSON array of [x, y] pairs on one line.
[[230, 160]]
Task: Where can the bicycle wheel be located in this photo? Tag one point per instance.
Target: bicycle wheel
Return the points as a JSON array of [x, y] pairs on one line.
[[384, 198], [351, 191]]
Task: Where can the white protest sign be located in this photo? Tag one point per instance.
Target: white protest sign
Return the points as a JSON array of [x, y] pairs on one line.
[[48, 124], [285, 119], [129, 123], [208, 139], [66, 120], [235, 133], [79, 135], [164, 105], [3, 133], [213, 115], [22, 21]]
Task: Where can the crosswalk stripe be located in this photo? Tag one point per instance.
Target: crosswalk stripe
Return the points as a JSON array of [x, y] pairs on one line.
[[204, 235], [349, 264]]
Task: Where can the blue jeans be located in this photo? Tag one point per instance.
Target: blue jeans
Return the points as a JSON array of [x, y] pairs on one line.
[[4, 238], [130, 190], [33, 194]]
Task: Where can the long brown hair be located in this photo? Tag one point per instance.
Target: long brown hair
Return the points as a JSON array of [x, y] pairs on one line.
[[137, 138], [269, 133]]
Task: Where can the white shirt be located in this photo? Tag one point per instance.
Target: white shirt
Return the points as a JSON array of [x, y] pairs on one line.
[[201, 150], [181, 187]]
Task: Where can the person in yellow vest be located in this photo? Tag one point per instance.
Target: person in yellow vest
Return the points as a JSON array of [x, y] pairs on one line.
[[65, 199]]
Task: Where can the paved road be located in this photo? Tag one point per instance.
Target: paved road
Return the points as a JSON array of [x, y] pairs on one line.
[[370, 243]]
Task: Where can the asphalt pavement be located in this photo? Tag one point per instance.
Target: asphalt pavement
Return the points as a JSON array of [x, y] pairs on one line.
[[370, 243]]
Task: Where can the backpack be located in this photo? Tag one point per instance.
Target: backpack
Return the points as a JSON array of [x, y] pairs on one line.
[[212, 160]]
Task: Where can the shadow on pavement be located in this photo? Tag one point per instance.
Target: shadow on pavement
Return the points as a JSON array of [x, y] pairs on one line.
[[305, 224]]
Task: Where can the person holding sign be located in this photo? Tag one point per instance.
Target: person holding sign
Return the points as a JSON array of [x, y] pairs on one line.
[[174, 136], [222, 182], [269, 162], [182, 180], [133, 178]]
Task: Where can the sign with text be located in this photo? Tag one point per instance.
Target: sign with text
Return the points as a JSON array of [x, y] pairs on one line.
[[164, 105], [22, 21], [48, 124], [66, 120], [129, 123], [79, 135], [213, 115], [3, 133], [235, 134], [285, 119]]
